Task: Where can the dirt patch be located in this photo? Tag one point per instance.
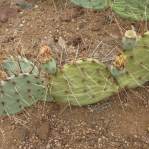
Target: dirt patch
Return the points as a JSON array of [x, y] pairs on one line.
[[120, 122]]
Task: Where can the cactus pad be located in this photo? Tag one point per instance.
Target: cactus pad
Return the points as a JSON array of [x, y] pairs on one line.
[[49, 67], [18, 65], [137, 67], [19, 92], [132, 9], [82, 83]]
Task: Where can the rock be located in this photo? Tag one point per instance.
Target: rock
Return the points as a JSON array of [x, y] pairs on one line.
[[43, 131], [3, 18], [6, 12]]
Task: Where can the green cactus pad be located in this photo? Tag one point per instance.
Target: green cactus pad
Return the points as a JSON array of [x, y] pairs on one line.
[[19, 92], [16, 65], [132, 9], [82, 83], [49, 67], [93, 4], [137, 67]]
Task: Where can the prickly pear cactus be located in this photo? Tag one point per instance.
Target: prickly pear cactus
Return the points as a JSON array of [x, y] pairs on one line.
[[94, 4], [18, 92], [132, 9], [137, 67], [82, 83]]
